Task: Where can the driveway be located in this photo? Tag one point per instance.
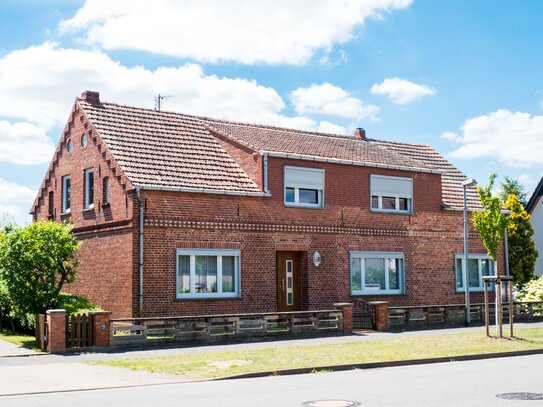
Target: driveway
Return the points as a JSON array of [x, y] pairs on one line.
[[9, 349]]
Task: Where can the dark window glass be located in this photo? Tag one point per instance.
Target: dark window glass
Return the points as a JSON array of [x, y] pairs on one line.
[[375, 202], [309, 196], [67, 193], [404, 204], [289, 195], [389, 202], [90, 188]]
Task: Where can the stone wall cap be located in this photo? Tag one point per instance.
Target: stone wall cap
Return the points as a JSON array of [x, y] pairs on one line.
[[55, 311], [100, 313], [378, 302], [343, 304]]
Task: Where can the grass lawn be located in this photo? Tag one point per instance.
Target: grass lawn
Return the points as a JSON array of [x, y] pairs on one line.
[[21, 340], [219, 364]]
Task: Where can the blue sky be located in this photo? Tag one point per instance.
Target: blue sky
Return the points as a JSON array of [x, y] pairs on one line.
[[463, 76]]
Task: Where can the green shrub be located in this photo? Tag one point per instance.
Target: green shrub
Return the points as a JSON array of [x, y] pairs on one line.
[[532, 291], [75, 304]]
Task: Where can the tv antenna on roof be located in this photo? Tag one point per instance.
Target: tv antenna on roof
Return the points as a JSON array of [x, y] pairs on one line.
[[158, 101]]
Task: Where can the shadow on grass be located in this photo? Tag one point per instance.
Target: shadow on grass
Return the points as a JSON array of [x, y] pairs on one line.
[[21, 340]]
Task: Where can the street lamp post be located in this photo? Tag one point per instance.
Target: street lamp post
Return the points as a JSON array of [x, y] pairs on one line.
[[465, 184]]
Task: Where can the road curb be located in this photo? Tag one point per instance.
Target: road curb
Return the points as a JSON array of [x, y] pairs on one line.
[[375, 365]]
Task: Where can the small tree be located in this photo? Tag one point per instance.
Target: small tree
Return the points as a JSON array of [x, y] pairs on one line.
[[490, 222], [522, 251], [35, 263], [512, 186]]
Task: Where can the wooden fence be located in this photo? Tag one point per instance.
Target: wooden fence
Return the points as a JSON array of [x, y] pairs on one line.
[[215, 328], [450, 315], [78, 331]]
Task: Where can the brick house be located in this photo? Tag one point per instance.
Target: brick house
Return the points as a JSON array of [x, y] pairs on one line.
[[187, 215]]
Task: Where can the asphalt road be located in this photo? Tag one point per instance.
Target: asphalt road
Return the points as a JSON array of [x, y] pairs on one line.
[[474, 383]]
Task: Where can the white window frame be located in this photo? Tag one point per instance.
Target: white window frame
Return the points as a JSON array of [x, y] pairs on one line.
[[479, 257], [65, 210], [297, 203], [88, 205], [377, 255], [192, 277], [375, 177]]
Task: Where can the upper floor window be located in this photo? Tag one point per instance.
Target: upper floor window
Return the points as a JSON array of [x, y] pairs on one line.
[[105, 191], [208, 273], [374, 273], [304, 187], [66, 194], [51, 202], [69, 146], [479, 265], [391, 194], [89, 188], [84, 141]]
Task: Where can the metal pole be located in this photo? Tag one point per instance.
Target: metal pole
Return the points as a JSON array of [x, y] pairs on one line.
[[506, 249], [487, 309], [465, 268], [499, 308], [511, 310]]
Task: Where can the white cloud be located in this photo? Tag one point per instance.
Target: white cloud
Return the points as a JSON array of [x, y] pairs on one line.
[[401, 91], [38, 84], [267, 31], [15, 200], [527, 179], [327, 127], [331, 100], [513, 138], [24, 144]]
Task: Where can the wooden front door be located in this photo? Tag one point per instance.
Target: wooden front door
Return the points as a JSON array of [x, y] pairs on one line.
[[289, 287]]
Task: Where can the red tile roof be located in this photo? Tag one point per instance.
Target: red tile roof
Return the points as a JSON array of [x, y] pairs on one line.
[[173, 150]]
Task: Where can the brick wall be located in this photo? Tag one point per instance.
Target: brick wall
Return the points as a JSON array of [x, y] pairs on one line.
[[258, 227]]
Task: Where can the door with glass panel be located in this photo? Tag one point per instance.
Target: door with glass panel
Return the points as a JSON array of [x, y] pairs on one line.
[[288, 282]]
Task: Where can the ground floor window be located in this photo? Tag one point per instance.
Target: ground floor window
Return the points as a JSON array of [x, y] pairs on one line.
[[208, 273], [374, 273], [479, 265]]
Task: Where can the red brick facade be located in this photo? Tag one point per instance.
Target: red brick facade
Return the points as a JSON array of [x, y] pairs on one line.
[[258, 226]]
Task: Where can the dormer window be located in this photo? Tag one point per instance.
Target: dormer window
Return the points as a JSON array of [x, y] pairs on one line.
[[304, 187], [391, 194], [89, 188]]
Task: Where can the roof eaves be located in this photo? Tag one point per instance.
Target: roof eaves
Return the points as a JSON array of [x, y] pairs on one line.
[[349, 162], [533, 199], [201, 190]]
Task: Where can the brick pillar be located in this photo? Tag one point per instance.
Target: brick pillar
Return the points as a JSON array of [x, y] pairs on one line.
[[100, 328], [381, 315], [56, 330], [347, 309]]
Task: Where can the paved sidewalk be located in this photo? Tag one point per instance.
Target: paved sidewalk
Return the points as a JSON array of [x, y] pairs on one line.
[[22, 375], [9, 349]]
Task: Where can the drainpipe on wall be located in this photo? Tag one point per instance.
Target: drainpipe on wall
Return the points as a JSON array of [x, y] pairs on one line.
[[140, 267], [265, 170]]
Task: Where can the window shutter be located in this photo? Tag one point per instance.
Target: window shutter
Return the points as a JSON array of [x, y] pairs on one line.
[[309, 178], [391, 186]]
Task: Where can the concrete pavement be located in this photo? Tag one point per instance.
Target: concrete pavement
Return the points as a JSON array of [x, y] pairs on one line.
[[19, 375]]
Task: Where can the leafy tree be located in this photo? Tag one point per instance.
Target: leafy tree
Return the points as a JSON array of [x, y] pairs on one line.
[[522, 251], [490, 222], [512, 186], [35, 263]]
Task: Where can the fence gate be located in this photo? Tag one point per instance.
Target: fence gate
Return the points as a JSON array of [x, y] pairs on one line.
[[363, 315], [41, 332], [79, 331]]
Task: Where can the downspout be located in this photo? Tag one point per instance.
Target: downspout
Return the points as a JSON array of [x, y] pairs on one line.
[[265, 172], [140, 266]]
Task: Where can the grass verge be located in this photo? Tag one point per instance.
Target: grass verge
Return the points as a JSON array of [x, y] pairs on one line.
[[220, 364], [21, 340]]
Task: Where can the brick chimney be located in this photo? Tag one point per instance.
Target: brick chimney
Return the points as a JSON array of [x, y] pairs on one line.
[[92, 97], [360, 134]]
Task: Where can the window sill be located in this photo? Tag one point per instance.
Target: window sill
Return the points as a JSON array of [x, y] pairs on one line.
[[474, 290], [304, 206], [375, 294], [394, 212], [207, 298], [90, 208], [106, 205], [65, 213]]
